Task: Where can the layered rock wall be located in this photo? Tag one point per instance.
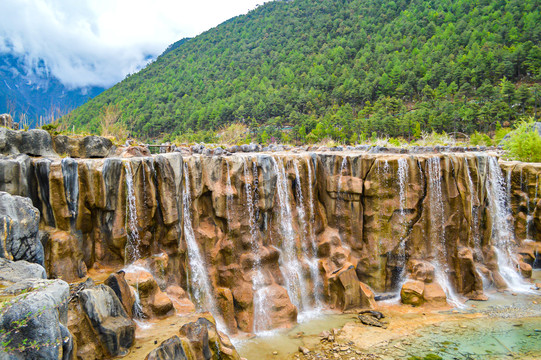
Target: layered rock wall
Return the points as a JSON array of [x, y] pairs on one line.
[[287, 230]]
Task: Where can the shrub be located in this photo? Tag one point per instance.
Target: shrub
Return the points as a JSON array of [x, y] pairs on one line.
[[478, 138], [524, 143], [234, 133]]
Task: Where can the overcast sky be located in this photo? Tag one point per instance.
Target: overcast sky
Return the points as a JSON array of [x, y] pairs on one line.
[[98, 42]]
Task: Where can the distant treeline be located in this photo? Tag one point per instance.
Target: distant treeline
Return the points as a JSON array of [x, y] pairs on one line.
[[341, 69]]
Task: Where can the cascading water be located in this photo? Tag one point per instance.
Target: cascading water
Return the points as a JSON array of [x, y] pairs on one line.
[[132, 245], [502, 231], [199, 283], [228, 196], [437, 229], [291, 266], [306, 249], [402, 174], [474, 212], [314, 261], [260, 297]]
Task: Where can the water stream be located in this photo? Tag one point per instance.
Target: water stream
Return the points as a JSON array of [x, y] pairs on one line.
[[502, 229], [437, 229], [199, 283], [291, 266]]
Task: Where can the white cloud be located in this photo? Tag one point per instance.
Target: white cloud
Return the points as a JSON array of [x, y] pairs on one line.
[[98, 42]]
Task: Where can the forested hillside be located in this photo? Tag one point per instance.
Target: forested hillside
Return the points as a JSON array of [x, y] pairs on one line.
[[341, 69]]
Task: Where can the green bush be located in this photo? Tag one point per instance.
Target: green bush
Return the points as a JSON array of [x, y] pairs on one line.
[[478, 138], [524, 143]]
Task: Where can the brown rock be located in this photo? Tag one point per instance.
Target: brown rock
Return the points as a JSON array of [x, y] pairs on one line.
[[434, 294], [422, 271], [368, 299], [525, 269], [412, 293], [153, 301], [63, 257], [180, 299], [227, 308], [123, 291]]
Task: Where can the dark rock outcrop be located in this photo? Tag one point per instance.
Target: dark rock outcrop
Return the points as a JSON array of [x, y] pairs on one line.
[[42, 304], [170, 349], [32, 142], [83, 147], [19, 226], [111, 324], [12, 272]]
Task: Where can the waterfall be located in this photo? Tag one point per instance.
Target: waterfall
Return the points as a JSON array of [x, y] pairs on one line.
[[474, 212], [306, 250], [260, 297], [437, 229], [199, 283], [291, 266], [502, 229], [402, 174], [228, 196], [313, 262], [132, 245]]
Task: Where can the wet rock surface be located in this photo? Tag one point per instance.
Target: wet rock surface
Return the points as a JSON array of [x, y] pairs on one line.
[[277, 233], [111, 324], [41, 305], [19, 226]]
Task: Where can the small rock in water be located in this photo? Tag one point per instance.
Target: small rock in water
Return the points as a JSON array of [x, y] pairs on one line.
[[275, 353], [304, 350], [514, 294]]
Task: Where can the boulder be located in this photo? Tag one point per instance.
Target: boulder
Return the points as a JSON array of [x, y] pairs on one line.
[[19, 226], [434, 294], [347, 292], [132, 151], [205, 342], [41, 307], [15, 271], [180, 299], [525, 269], [421, 270], [83, 147], [7, 121], [32, 142], [412, 293], [87, 346], [123, 291], [170, 349], [110, 322], [154, 302]]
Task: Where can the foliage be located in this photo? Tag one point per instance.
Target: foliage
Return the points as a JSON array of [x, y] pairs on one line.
[[111, 124], [433, 138], [233, 134], [480, 139], [395, 68], [6, 335], [524, 143], [51, 128]]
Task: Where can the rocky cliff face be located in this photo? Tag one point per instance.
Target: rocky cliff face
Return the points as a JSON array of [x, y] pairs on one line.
[[261, 238]]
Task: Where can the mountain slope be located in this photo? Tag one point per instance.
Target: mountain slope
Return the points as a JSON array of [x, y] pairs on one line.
[[354, 67], [36, 94]]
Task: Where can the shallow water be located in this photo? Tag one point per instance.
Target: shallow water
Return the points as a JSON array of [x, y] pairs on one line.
[[286, 342], [481, 338], [506, 326]]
